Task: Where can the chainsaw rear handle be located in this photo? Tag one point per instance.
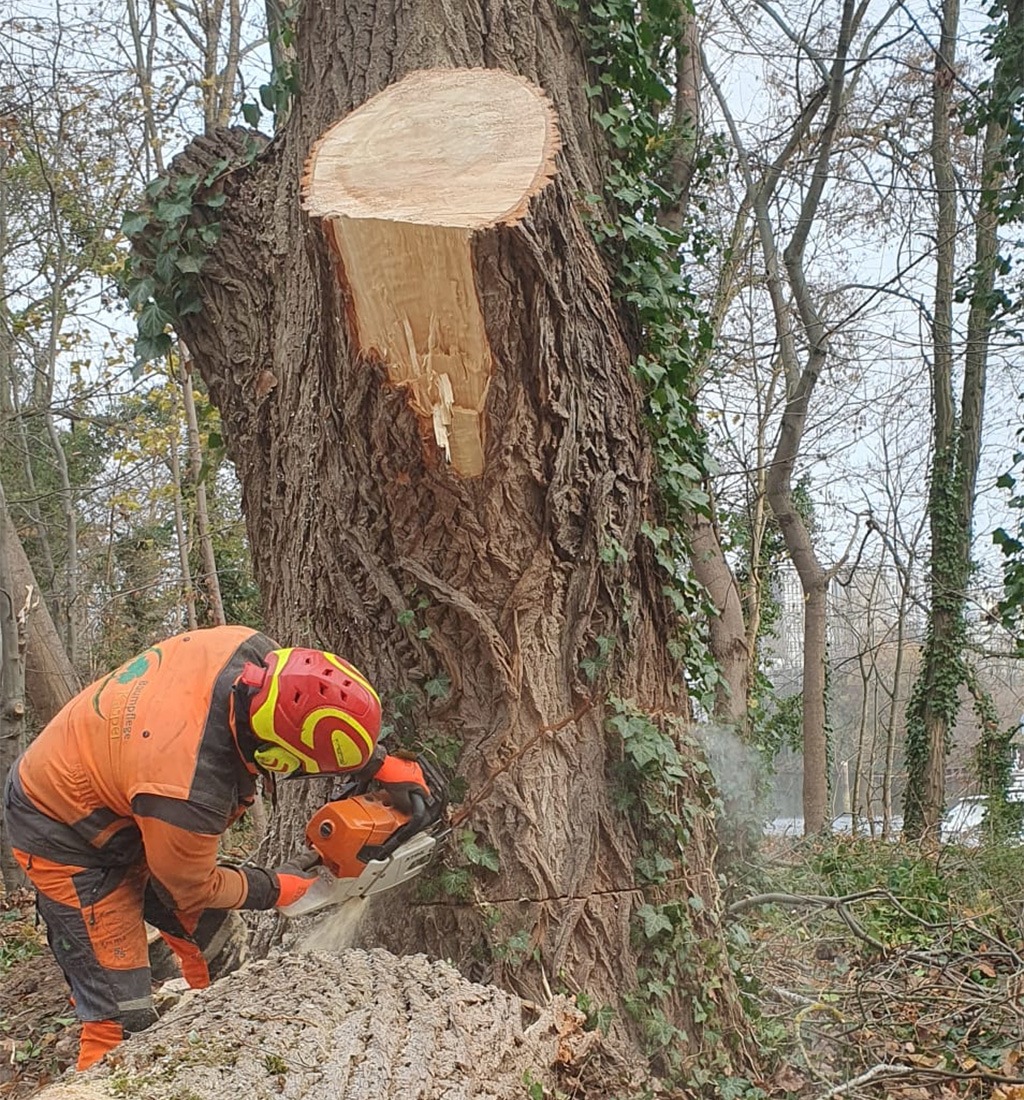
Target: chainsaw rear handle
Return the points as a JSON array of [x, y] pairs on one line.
[[422, 817]]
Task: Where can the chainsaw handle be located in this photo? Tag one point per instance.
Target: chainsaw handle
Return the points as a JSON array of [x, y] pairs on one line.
[[420, 819]]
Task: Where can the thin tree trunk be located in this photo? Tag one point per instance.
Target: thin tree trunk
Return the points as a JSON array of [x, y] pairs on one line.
[[869, 785], [187, 590], [208, 578], [726, 631], [957, 438], [686, 121], [31, 505], [855, 793], [13, 618], [50, 678]]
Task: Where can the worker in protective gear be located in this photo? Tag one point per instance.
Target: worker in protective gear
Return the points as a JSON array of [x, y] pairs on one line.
[[116, 809]]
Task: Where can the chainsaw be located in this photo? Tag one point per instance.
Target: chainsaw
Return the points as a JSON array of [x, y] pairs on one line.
[[363, 844]]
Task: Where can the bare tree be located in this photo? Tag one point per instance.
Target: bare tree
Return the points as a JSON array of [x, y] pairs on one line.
[[957, 433]]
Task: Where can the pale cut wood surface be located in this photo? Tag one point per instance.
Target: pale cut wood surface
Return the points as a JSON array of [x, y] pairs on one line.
[[455, 147]]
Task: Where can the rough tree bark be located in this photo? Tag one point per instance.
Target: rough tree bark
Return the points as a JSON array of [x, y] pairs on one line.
[[50, 679], [356, 523]]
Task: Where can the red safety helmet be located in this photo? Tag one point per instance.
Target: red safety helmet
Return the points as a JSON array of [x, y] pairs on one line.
[[311, 712]]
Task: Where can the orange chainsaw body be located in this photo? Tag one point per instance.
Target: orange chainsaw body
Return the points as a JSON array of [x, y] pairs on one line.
[[339, 831]]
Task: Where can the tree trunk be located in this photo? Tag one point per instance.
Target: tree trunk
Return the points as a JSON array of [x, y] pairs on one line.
[[957, 435], [13, 618], [50, 679], [727, 631], [470, 600], [815, 740], [188, 592], [204, 536]]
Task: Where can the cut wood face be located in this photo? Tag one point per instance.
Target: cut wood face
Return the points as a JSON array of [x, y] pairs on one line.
[[403, 184]]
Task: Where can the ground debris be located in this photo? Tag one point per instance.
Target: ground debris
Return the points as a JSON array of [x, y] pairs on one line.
[[37, 1026], [905, 985]]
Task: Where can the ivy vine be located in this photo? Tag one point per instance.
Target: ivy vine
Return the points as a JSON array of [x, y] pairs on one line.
[[630, 52], [935, 696], [161, 278], [664, 783]]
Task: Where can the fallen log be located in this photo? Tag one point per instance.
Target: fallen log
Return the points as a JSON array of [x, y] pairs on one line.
[[358, 1025]]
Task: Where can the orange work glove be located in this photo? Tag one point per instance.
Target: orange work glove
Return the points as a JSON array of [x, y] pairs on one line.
[[291, 886], [400, 776]]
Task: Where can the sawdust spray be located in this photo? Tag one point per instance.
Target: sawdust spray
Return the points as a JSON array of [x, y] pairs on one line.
[[336, 930]]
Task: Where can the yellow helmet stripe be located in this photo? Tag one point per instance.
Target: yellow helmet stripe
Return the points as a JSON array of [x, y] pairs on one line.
[[262, 721], [309, 725]]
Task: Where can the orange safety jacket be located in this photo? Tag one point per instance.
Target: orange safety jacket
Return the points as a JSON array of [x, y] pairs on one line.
[[143, 765]]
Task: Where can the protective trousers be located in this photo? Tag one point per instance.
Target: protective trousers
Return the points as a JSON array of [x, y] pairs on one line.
[[95, 927]]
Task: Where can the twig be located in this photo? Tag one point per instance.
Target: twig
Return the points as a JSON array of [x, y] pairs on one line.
[[883, 1069], [827, 901]]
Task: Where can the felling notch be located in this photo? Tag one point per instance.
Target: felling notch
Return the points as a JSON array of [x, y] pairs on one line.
[[403, 184]]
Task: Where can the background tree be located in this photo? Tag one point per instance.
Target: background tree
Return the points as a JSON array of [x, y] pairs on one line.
[[958, 429]]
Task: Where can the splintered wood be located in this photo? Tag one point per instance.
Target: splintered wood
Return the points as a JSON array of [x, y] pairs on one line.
[[403, 183]]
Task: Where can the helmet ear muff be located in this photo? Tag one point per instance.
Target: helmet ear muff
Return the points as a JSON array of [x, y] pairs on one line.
[[277, 760]]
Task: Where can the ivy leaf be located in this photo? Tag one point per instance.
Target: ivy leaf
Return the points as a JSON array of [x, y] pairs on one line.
[[189, 305], [437, 688], [174, 210], [164, 266], [148, 348], [654, 921], [251, 113], [155, 188], [152, 320], [140, 291], [133, 222], [189, 264], [482, 855]]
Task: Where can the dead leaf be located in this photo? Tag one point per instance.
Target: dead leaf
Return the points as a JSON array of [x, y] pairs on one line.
[[788, 1079]]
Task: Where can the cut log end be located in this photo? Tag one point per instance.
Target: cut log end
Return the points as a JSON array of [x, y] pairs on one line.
[[403, 183], [446, 147]]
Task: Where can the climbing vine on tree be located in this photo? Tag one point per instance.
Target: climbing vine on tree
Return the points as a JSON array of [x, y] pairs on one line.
[[632, 54]]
